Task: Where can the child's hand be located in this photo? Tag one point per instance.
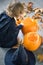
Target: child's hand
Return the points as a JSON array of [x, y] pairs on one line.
[[22, 24]]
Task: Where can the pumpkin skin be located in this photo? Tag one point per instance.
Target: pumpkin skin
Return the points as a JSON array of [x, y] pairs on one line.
[[32, 41], [29, 25]]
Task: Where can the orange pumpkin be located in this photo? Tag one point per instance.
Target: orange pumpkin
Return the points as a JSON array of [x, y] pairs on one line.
[[32, 41], [29, 25]]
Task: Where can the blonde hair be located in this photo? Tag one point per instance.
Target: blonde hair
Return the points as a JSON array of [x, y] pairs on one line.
[[15, 9]]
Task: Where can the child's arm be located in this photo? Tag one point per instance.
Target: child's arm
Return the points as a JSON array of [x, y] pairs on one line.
[[19, 26]]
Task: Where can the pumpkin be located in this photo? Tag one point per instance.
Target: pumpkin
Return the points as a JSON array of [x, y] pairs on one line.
[[29, 25], [32, 41]]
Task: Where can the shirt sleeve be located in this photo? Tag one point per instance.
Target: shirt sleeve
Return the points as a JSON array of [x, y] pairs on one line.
[[19, 26]]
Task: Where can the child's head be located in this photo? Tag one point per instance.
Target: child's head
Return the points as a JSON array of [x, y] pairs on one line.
[[15, 9]]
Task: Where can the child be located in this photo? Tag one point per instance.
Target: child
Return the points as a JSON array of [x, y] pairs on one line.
[[9, 33], [8, 29]]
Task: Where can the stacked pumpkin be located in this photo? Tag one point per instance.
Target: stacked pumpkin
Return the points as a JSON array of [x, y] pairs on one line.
[[32, 40], [30, 25]]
